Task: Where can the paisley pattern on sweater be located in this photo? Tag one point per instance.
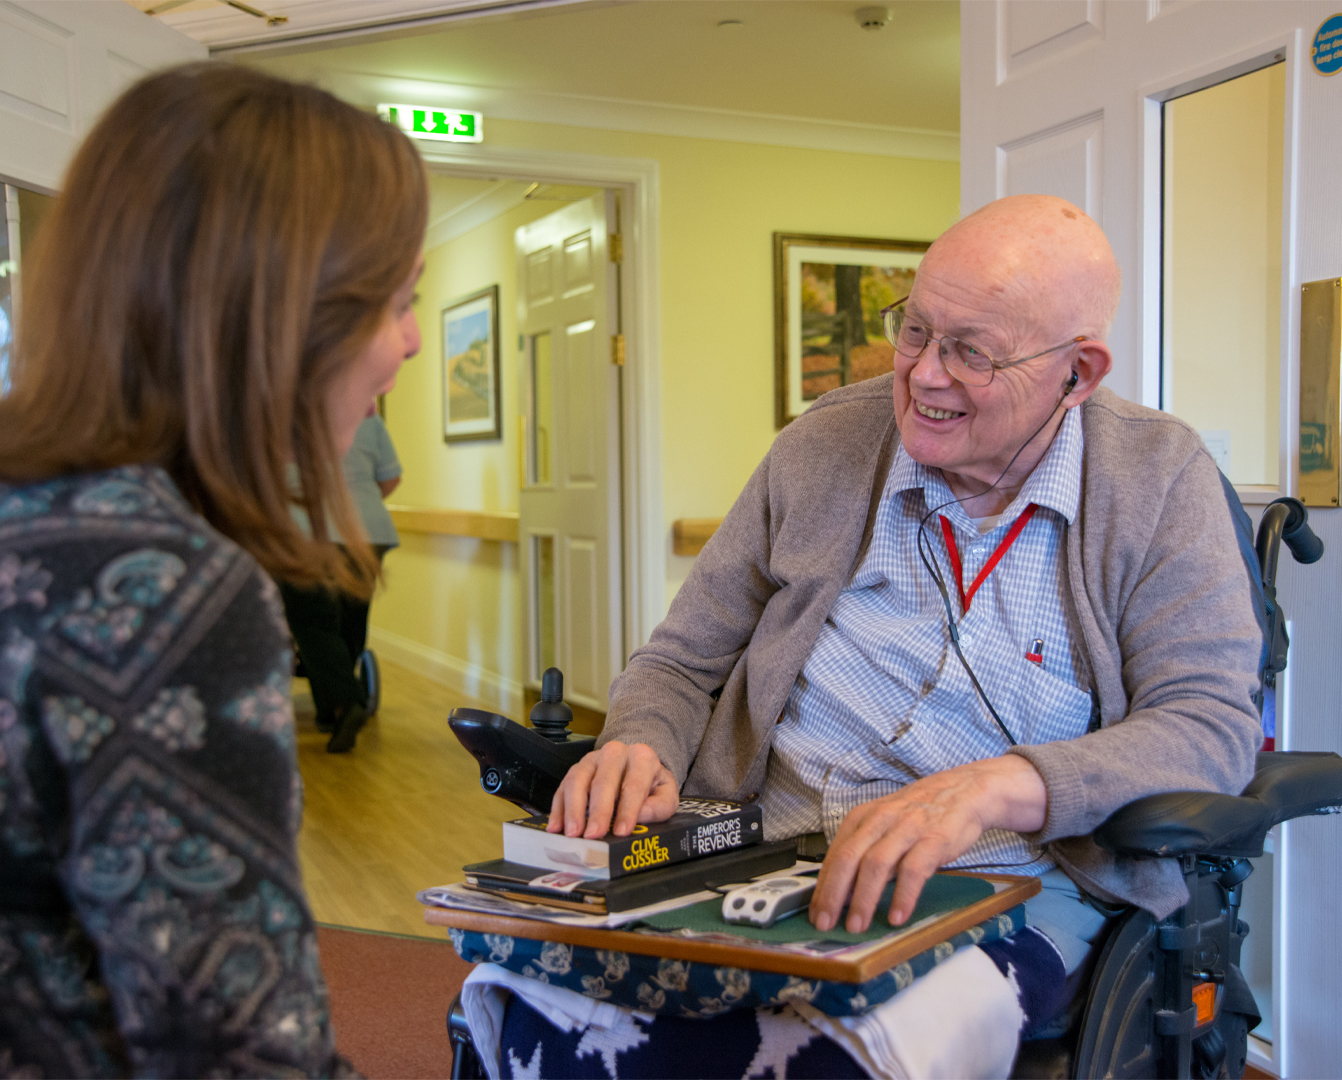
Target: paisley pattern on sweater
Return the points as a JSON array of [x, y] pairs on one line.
[[152, 914]]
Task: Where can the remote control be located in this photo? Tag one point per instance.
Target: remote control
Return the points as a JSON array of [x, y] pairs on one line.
[[763, 903]]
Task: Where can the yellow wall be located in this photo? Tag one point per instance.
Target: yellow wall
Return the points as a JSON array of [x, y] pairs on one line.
[[1223, 205], [720, 204]]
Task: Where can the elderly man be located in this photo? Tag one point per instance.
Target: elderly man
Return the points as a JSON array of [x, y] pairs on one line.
[[963, 630]]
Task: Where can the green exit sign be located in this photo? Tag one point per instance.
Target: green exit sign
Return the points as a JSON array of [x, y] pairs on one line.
[[444, 125]]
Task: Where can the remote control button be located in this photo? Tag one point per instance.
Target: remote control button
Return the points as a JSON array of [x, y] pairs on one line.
[[739, 902], [759, 905]]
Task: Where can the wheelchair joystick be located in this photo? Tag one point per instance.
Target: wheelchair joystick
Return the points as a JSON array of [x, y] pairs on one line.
[[551, 716], [524, 765]]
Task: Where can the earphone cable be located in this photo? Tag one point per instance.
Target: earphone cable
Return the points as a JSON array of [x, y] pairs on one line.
[[930, 563]]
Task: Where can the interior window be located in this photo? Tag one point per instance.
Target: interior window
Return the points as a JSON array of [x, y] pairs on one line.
[[7, 268], [541, 412], [24, 212], [543, 649], [1221, 269]]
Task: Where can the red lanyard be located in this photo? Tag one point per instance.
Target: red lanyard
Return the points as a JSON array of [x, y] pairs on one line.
[[990, 565]]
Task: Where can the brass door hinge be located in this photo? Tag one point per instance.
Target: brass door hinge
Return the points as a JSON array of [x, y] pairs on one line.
[[616, 248], [617, 350]]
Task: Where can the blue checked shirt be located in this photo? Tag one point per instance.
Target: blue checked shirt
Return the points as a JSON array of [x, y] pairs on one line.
[[883, 700]]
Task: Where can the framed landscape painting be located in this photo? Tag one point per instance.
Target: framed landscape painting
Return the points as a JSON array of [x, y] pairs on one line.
[[828, 294], [471, 392]]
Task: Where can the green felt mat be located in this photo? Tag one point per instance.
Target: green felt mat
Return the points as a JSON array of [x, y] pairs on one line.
[[943, 893]]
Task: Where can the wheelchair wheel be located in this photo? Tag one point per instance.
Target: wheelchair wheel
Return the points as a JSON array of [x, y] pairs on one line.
[[1223, 1052], [371, 677]]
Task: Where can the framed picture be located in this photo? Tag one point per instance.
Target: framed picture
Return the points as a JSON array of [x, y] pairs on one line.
[[471, 392], [828, 294]]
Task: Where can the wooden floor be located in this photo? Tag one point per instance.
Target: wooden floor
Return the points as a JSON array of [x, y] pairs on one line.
[[401, 812]]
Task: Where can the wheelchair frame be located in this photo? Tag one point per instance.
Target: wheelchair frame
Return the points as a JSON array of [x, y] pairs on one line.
[[1167, 997]]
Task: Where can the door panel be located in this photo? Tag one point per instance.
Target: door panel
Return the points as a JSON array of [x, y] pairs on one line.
[[60, 66], [1034, 31], [540, 288], [578, 264], [1065, 160], [572, 491], [581, 415], [36, 69], [583, 622]]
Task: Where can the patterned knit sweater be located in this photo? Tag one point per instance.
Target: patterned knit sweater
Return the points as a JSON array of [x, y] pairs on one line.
[[152, 913]]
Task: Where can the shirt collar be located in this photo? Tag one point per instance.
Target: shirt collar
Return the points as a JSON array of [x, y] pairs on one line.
[[1055, 482]]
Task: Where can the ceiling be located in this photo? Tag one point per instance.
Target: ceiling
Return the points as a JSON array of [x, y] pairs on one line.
[[776, 59], [233, 23], [458, 204]]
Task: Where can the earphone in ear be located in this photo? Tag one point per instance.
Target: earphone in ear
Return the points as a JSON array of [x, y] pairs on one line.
[[1071, 384]]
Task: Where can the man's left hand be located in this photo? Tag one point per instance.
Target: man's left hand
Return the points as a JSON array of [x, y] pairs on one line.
[[913, 833]]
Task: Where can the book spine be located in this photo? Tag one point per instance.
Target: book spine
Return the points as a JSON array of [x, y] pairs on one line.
[[741, 865], [696, 839]]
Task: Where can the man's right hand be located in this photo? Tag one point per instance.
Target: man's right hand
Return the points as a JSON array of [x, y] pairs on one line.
[[612, 790]]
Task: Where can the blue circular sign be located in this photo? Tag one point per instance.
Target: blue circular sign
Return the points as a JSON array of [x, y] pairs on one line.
[[1326, 51]]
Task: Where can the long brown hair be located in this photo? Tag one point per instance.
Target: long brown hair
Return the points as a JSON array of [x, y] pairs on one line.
[[225, 244]]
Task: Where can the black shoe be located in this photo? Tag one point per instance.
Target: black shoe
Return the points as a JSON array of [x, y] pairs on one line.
[[326, 724], [351, 720]]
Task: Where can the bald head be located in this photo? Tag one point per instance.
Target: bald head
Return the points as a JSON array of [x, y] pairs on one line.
[[1041, 255]]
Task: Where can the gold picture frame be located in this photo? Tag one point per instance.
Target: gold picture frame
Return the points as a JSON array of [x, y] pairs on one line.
[[821, 284], [472, 391]]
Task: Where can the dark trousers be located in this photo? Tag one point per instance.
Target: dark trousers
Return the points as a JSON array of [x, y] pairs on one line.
[[330, 631]]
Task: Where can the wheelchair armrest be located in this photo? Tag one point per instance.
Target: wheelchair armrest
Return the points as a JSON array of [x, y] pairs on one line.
[[1285, 786]]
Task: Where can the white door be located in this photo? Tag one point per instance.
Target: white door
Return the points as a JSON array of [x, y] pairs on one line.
[[570, 499], [60, 66], [1064, 97]]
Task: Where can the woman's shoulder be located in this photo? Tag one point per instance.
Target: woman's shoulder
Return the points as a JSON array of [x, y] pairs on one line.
[[114, 566], [106, 502]]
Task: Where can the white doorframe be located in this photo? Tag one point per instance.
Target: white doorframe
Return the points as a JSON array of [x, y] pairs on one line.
[[638, 179]]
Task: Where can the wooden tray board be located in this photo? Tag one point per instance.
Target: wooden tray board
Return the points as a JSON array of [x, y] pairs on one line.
[[852, 969]]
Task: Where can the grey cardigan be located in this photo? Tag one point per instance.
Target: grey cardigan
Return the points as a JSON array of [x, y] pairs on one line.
[[1157, 595]]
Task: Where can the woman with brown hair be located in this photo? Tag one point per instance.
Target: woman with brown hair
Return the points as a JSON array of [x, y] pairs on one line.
[[224, 286]]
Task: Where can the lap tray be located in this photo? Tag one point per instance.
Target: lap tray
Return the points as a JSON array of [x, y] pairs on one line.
[[701, 988]]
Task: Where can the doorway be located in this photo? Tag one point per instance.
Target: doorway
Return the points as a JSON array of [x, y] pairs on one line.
[[545, 257]]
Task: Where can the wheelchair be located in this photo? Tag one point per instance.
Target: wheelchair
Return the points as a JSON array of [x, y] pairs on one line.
[[1166, 997], [365, 670]]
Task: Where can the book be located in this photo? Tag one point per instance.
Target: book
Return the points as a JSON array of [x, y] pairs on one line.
[[571, 891], [699, 827]]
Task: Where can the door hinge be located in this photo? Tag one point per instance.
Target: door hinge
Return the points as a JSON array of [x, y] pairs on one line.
[[616, 248], [617, 349]]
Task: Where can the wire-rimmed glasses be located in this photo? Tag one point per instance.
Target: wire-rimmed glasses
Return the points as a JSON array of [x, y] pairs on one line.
[[964, 361]]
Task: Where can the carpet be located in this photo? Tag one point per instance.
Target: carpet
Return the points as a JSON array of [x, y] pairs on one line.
[[389, 1000]]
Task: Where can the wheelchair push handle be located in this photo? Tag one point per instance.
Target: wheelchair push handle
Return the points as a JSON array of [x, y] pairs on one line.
[[1305, 545], [1285, 520]]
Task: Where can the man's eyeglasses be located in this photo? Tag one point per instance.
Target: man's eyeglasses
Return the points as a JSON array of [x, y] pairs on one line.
[[963, 361]]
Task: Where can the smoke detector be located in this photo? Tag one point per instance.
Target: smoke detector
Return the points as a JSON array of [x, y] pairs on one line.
[[872, 18]]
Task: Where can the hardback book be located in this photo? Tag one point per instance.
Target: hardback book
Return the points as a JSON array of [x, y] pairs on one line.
[[566, 889], [699, 827]]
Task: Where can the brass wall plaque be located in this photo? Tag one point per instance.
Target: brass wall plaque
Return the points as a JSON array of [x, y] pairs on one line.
[[1320, 392]]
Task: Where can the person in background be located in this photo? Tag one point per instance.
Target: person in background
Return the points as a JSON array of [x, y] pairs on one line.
[[330, 628], [222, 290]]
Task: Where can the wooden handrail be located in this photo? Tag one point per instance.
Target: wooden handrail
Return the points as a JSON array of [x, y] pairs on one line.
[[689, 535], [498, 525]]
